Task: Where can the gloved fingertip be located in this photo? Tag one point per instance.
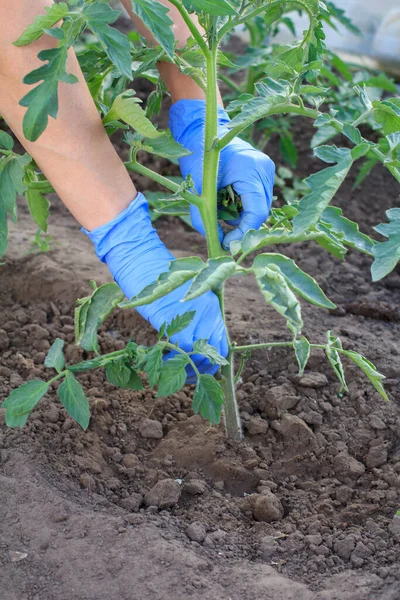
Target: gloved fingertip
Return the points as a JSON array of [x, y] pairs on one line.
[[231, 236]]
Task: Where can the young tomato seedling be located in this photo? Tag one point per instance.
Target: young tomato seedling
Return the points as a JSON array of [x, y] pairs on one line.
[[290, 88]]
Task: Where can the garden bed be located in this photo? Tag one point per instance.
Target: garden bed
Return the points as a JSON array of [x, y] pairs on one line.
[[78, 504]]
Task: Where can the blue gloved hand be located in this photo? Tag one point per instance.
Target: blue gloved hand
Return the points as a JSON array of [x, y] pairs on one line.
[[135, 255], [249, 171]]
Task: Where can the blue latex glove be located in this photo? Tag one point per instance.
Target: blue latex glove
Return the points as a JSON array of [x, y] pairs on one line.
[[249, 171], [135, 255]]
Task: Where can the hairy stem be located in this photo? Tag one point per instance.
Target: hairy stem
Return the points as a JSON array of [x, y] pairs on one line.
[[208, 207], [164, 181], [231, 412]]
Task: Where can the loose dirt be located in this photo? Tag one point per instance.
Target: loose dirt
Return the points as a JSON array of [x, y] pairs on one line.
[[150, 503]]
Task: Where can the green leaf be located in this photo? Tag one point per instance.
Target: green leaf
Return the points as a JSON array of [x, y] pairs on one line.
[[208, 399], [302, 351], [103, 300], [11, 184], [323, 186], [331, 351], [278, 294], [6, 141], [74, 400], [288, 149], [219, 8], [164, 145], [347, 230], [42, 101], [270, 93], [22, 401], [387, 254], [115, 44], [121, 374], [54, 13], [181, 270], [157, 20], [205, 349], [214, 272], [301, 283], [126, 108], [153, 365], [369, 370], [173, 375], [38, 207], [179, 323], [273, 14], [387, 114], [55, 356]]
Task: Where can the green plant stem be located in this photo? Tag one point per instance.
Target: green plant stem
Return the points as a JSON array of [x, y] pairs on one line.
[[251, 347], [191, 26], [208, 206], [240, 368], [164, 181], [282, 239], [177, 349], [278, 109], [233, 426]]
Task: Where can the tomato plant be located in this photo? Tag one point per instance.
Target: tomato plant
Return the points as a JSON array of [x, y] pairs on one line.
[[289, 83]]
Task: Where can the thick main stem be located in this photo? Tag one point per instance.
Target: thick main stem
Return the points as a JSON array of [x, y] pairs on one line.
[[209, 215], [208, 208]]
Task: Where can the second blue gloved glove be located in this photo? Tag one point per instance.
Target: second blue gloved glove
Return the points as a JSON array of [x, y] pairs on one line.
[[136, 257], [249, 171]]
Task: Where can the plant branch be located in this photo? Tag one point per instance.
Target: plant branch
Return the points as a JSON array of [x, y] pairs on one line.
[[277, 109], [164, 181], [191, 26]]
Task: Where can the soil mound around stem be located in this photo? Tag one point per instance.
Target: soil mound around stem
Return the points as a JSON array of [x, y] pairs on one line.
[[152, 503], [301, 508]]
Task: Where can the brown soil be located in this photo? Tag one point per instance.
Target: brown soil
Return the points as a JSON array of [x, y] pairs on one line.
[[76, 505]]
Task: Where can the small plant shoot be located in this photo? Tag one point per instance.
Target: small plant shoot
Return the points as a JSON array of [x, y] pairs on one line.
[[278, 84]]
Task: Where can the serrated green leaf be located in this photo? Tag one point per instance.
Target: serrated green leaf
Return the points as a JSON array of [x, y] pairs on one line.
[[180, 322], [173, 375], [103, 300], [121, 374], [272, 15], [38, 207], [126, 108], [301, 283], [54, 13], [302, 351], [219, 8], [22, 401], [214, 272], [278, 294], [153, 365], [164, 145], [42, 101], [369, 370], [331, 351], [156, 18], [6, 141], [270, 93], [74, 400], [387, 114], [347, 230], [323, 187], [80, 315], [11, 184], [205, 349], [116, 45], [55, 356], [181, 270], [387, 254], [208, 399]]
